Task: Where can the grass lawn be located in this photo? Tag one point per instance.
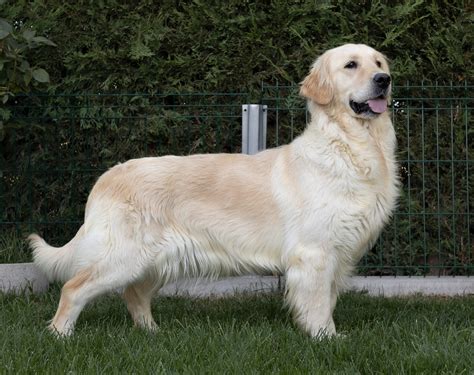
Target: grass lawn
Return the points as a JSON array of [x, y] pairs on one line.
[[241, 335], [14, 248]]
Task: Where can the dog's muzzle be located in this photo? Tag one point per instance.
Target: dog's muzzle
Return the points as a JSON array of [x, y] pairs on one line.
[[378, 103]]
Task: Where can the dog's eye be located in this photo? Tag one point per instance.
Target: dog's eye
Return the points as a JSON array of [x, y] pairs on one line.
[[379, 64], [351, 65]]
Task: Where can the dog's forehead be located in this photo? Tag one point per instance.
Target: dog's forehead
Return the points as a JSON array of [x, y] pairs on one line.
[[354, 51]]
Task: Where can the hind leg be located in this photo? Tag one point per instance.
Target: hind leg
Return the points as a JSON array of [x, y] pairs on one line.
[[138, 298], [81, 289]]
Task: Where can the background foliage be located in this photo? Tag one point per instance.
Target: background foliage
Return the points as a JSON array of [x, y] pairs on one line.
[[125, 79], [214, 45], [17, 75]]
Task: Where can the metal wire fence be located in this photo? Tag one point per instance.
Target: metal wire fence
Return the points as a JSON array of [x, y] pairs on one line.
[[56, 147]]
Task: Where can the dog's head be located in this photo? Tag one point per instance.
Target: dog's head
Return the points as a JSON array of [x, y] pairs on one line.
[[354, 78]]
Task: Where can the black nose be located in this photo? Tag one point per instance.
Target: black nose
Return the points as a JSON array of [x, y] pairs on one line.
[[382, 80]]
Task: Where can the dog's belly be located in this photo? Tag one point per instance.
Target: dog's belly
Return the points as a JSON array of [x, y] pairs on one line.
[[213, 252]]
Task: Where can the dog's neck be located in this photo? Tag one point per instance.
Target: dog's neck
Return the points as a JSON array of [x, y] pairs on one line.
[[362, 142], [339, 124]]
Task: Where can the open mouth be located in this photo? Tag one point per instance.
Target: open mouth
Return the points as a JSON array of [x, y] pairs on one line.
[[370, 107]]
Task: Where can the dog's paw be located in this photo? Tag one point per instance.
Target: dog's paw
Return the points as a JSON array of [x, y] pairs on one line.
[[146, 324], [325, 334], [60, 332]]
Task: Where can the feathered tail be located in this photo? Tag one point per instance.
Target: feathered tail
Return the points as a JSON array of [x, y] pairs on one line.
[[56, 262]]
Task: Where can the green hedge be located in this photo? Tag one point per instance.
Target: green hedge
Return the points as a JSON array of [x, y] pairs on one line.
[[149, 46]]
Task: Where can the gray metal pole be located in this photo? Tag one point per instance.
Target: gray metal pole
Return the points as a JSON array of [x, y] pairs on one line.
[[254, 128]]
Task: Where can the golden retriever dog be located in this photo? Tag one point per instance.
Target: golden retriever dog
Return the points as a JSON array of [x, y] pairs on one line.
[[309, 209]]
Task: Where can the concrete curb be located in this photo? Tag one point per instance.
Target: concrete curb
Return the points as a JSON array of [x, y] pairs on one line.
[[19, 277], [222, 287], [22, 277], [387, 286], [390, 286]]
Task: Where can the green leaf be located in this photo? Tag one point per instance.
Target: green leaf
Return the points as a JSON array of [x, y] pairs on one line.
[[27, 77], [43, 40], [5, 114], [41, 75], [28, 35], [4, 25], [24, 66], [3, 34]]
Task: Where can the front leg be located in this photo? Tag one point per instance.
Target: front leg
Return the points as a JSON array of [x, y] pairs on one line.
[[310, 289]]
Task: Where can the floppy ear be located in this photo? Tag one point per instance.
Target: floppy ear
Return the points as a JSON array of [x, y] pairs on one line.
[[317, 86]]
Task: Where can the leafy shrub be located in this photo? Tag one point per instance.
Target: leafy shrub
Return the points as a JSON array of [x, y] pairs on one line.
[[169, 46], [17, 75]]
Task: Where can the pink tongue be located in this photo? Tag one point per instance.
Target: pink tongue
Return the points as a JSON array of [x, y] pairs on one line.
[[377, 105]]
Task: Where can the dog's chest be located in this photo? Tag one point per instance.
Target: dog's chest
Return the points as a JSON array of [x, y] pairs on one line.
[[364, 207], [346, 205]]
